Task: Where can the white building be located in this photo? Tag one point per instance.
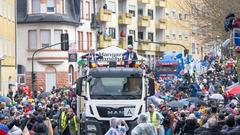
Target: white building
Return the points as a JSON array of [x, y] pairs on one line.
[[40, 24]]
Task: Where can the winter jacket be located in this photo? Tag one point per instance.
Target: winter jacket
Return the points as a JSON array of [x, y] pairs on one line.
[[235, 131], [190, 126], [211, 131]]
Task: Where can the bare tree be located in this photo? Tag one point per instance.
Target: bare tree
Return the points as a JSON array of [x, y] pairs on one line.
[[208, 16]]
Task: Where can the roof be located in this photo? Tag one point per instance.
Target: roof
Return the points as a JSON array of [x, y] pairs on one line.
[[116, 72], [72, 18]]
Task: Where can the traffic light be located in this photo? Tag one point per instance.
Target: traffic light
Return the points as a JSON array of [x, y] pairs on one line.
[[64, 42], [186, 52], [130, 40], [34, 77]]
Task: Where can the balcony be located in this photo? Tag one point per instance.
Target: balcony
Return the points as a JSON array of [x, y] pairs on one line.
[[122, 43], [161, 3], [104, 15], [125, 18], [144, 21], [144, 1], [161, 24], [104, 41], [157, 48], [144, 46]]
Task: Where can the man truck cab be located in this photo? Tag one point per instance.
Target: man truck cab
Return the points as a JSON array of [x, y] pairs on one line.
[[113, 92]]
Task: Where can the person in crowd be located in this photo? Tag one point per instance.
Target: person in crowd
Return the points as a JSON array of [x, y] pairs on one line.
[[39, 127], [212, 128], [122, 127], [130, 57], [72, 122], [143, 127], [153, 117], [190, 125], [236, 130], [230, 122], [180, 124], [113, 127], [91, 57]]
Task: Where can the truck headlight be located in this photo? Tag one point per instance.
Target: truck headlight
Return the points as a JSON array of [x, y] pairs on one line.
[[91, 128]]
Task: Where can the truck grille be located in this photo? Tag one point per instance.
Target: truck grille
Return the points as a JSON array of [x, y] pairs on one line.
[[109, 112]]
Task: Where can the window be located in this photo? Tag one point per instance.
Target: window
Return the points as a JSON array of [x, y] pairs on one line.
[[13, 13], [185, 16], [32, 39], [112, 6], [150, 13], [9, 11], [82, 9], [70, 74], [57, 37], [1, 7], [173, 34], [35, 6], [89, 39], [80, 40], [174, 14], [132, 32], [132, 10], [21, 74], [186, 35], [150, 36], [193, 48], [4, 8], [45, 38], [180, 16], [87, 7], [167, 34], [112, 32], [140, 12], [180, 35], [51, 6], [140, 35]]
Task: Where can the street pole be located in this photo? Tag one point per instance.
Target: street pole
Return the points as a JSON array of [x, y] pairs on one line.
[[38, 50], [79, 100]]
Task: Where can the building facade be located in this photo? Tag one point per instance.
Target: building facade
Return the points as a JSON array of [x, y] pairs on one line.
[[40, 24], [7, 46], [154, 24]]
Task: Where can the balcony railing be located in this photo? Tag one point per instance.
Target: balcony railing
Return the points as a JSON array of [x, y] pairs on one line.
[[104, 15], [143, 46], [104, 41], [144, 21], [122, 43], [125, 18], [161, 3], [161, 24], [144, 1]]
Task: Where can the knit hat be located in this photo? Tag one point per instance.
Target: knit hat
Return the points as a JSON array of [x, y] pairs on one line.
[[3, 129]]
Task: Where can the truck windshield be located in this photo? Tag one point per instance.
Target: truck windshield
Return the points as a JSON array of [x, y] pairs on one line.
[[167, 68], [116, 88]]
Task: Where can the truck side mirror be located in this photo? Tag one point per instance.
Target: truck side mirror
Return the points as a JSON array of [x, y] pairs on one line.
[[151, 86], [79, 86]]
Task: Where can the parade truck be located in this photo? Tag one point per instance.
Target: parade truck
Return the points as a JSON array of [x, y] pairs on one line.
[[170, 66], [112, 91]]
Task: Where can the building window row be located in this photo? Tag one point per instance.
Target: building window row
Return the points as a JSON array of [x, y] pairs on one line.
[[172, 34], [47, 6], [44, 38], [84, 44], [177, 15], [85, 9]]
